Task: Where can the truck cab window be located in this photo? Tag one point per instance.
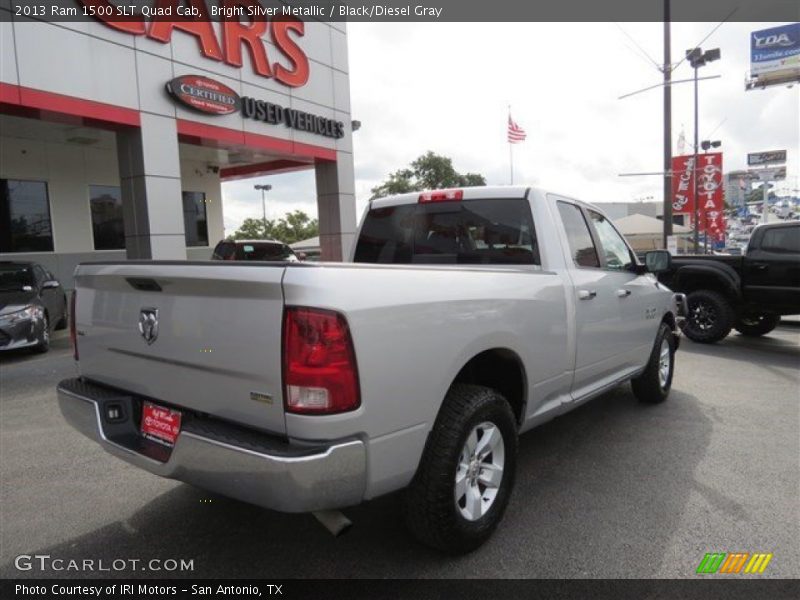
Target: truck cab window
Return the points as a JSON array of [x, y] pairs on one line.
[[580, 240], [493, 231], [783, 240], [616, 252]]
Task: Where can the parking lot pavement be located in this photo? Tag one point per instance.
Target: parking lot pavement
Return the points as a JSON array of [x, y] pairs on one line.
[[614, 489]]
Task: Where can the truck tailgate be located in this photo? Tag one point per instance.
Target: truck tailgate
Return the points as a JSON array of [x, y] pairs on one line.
[[218, 343]]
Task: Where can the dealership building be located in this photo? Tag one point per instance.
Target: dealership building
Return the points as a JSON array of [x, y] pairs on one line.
[[115, 137]]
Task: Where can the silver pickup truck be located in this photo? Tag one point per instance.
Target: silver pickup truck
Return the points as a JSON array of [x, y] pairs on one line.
[[464, 318]]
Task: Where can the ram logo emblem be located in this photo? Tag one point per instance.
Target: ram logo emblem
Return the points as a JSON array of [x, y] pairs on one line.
[[148, 324]]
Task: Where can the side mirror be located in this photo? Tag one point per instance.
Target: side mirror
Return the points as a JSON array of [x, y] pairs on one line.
[[50, 285], [658, 261], [301, 256]]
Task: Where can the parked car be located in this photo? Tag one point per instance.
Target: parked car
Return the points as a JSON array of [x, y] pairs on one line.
[[266, 250], [748, 293], [32, 304], [466, 317]]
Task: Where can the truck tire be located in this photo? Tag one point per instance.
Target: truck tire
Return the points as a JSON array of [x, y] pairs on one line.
[[464, 480], [653, 385], [754, 325], [710, 317]]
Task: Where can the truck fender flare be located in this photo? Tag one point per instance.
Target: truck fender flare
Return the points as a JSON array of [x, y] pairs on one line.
[[504, 347], [730, 280]]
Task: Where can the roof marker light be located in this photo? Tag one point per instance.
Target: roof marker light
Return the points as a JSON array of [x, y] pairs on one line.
[[441, 196]]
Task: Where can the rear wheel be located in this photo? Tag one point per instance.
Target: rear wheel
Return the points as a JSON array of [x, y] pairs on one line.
[[653, 385], [753, 324], [466, 474], [710, 317]]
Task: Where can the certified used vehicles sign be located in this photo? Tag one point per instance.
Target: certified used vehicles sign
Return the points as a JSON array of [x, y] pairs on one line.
[[204, 94], [215, 98]]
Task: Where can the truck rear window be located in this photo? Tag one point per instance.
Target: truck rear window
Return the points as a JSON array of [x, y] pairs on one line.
[[493, 231], [263, 252]]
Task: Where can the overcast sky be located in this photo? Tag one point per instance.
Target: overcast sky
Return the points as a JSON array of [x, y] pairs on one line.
[[446, 87]]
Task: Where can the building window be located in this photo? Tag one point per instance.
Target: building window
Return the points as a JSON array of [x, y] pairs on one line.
[[25, 224], [194, 219], [108, 226]]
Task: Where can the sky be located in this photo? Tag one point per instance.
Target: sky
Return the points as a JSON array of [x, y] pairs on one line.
[[446, 87]]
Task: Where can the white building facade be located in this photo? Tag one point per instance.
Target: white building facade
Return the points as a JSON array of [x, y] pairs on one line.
[[115, 137]]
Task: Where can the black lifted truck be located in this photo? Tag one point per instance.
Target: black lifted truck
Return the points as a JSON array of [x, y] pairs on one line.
[[748, 293]]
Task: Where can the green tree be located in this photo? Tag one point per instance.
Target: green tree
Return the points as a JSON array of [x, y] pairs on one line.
[[757, 193], [429, 172], [253, 229], [293, 227]]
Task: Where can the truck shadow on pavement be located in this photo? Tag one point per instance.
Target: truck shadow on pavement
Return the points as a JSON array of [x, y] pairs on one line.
[[599, 492]]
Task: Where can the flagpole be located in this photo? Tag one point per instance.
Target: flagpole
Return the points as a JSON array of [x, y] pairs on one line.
[[510, 150], [511, 160]]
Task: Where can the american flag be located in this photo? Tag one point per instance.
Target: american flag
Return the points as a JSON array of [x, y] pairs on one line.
[[516, 133]]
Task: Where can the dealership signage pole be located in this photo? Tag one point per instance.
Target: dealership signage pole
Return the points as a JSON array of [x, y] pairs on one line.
[[697, 58], [695, 173], [667, 126]]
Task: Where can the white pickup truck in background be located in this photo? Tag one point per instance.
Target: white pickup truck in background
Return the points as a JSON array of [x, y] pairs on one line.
[[465, 318]]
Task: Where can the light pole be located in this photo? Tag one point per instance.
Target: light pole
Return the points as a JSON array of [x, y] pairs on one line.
[[697, 58], [264, 188]]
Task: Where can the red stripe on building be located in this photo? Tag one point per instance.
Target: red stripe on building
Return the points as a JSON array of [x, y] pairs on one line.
[[272, 167], [59, 104], [201, 133]]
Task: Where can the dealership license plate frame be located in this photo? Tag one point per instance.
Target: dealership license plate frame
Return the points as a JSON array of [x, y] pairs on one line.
[[160, 424]]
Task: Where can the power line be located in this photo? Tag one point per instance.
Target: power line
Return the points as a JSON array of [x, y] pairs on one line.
[[713, 131], [710, 33], [642, 50], [639, 54]]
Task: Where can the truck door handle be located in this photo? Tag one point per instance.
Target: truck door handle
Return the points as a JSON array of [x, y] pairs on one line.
[[760, 266], [623, 293], [586, 294]]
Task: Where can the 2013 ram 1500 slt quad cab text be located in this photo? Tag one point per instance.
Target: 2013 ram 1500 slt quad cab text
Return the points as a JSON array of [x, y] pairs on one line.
[[464, 318]]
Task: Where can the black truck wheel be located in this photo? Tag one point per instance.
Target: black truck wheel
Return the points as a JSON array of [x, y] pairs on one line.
[[466, 474], [710, 317], [754, 325]]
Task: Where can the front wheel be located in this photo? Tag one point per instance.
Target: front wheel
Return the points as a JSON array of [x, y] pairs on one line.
[[466, 474], [754, 325], [710, 317], [653, 385]]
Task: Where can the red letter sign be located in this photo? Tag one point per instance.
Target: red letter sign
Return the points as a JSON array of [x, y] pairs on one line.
[[202, 28], [235, 34], [280, 35]]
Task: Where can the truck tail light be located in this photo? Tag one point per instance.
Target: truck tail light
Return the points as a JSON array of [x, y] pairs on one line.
[[441, 196], [73, 332], [319, 363]]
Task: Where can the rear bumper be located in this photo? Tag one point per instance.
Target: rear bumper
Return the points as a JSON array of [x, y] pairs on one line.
[[248, 466]]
